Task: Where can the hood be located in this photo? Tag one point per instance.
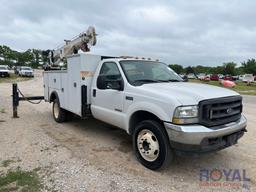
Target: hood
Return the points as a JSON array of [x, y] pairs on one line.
[[187, 93], [4, 70]]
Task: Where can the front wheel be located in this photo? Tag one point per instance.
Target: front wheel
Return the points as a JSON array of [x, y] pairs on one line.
[[151, 145]]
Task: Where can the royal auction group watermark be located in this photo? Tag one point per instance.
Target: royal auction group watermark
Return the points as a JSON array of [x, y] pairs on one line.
[[224, 178]]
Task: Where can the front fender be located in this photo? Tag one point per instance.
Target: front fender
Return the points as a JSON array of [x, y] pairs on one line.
[[148, 107]]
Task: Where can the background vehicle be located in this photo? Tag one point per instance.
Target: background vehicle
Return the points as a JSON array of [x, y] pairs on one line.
[[228, 77], [201, 76], [214, 77], [182, 75], [248, 78], [4, 71], [26, 72], [240, 77], [191, 76], [235, 78], [221, 76], [206, 78]]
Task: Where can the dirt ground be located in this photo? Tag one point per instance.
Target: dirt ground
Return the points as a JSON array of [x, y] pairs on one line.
[[88, 155]]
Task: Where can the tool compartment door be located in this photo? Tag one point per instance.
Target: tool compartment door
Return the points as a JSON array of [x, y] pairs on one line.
[[74, 85], [46, 87]]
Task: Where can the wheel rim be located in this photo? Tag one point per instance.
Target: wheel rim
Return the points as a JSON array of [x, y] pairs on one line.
[[56, 110], [148, 145]]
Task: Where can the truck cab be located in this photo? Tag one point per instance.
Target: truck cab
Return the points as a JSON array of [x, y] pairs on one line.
[[147, 99]]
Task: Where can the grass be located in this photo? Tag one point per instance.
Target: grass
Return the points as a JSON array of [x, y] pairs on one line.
[[6, 163], [18, 180], [13, 78], [240, 87], [2, 110]]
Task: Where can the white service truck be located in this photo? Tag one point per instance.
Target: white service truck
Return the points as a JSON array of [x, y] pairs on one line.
[[150, 102]]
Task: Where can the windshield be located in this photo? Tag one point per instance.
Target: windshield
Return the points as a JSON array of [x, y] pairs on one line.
[[141, 72], [3, 68]]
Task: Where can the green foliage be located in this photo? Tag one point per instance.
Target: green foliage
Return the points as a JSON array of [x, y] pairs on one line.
[[240, 87], [249, 66], [229, 68], [6, 163], [177, 68], [189, 69], [36, 57], [13, 78], [31, 57], [19, 180], [201, 69], [217, 70], [226, 69]]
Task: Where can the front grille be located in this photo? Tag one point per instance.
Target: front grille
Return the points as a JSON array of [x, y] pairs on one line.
[[220, 111], [3, 73]]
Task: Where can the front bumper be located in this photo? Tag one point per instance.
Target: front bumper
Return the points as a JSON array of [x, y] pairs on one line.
[[199, 138], [27, 74], [4, 74]]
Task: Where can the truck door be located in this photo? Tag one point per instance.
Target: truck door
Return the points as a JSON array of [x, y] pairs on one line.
[[107, 103]]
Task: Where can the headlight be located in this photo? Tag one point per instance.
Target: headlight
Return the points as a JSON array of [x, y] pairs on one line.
[[185, 115]]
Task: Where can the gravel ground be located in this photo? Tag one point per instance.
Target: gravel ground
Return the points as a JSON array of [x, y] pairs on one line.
[[88, 155]]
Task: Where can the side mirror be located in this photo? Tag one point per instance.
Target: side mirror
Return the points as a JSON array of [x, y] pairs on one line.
[[110, 82], [185, 78], [101, 82]]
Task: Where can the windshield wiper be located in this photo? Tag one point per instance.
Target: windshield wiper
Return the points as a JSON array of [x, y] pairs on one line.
[[142, 81], [169, 80], [145, 81]]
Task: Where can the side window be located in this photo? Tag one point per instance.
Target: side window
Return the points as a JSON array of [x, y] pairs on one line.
[[109, 77], [109, 68]]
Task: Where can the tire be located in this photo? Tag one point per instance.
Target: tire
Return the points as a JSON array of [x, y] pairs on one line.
[[58, 113], [151, 145], [69, 116]]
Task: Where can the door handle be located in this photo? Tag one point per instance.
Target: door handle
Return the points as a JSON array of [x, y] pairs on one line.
[[94, 92]]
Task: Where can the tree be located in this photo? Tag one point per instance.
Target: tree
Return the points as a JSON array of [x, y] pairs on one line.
[[25, 58], [189, 69], [249, 66], [229, 68], [31, 57], [8, 55], [37, 57], [217, 70], [45, 55], [177, 68]]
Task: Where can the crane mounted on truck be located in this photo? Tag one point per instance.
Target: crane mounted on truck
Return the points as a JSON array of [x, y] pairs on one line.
[[147, 99], [81, 42]]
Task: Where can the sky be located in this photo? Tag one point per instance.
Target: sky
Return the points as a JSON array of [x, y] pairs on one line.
[[186, 32]]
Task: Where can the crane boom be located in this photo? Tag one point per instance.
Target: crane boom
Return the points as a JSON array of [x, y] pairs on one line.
[[82, 42]]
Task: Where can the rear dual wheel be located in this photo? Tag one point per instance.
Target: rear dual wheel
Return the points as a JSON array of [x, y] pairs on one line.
[[60, 115]]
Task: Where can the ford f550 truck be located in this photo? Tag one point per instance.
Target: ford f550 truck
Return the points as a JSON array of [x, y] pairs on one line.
[[150, 102]]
